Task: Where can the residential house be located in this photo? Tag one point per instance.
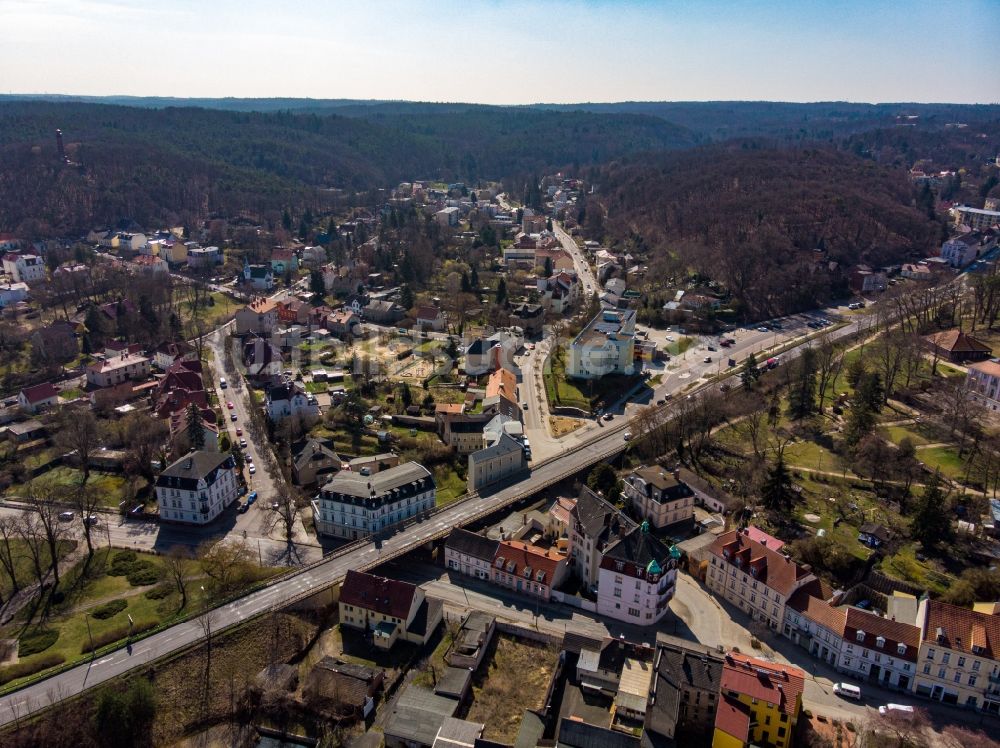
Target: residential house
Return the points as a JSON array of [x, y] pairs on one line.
[[594, 524], [197, 488], [863, 279], [293, 311], [416, 718], [814, 624], [262, 359], [879, 650], [637, 578], [469, 553], [575, 733], [760, 702], [916, 271], [290, 400], [983, 383], [684, 692], [388, 609], [501, 424], [559, 260], [179, 424], [314, 462], [529, 317], [358, 504], [313, 256], [528, 569], [24, 268], [148, 265], [754, 577], [167, 354], [38, 398], [343, 324], [501, 462], [12, 293], [114, 369], [559, 292], [488, 353], [429, 318], [605, 346], [258, 277], [260, 316], [959, 656], [283, 261], [957, 346], [448, 216], [659, 496], [873, 535], [963, 249], [383, 312], [356, 302], [501, 394], [201, 257], [9, 242], [464, 432]]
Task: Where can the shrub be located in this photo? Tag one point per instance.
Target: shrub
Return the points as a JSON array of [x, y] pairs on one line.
[[24, 669], [122, 563], [159, 592], [144, 573], [124, 717], [110, 608], [115, 634], [36, 641]]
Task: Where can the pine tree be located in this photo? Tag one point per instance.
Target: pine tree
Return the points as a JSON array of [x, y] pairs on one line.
[[466, 283], [750, 372], [777, 489], [406, 297], [931, 524], [286, 220], [316, 283], [195, 427], [502, 292], [802, 394], [474, 279]]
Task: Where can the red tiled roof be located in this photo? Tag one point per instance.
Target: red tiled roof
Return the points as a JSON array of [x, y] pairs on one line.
[[956, 341], [427, 312], [39, 392], [759, 536], [962, 628], [763, 680], [523, 555], [773, 569], [389, 597], [874, 626], [818, 610], [502, 382], [733, 718]]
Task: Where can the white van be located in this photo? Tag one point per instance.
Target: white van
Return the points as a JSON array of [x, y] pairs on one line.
[[847, 691], [901, 710]]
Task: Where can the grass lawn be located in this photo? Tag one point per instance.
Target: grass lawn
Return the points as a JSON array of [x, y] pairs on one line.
[[23, 568], [904, 565], [111, 488], [896, 434], [450, 485], [561, 391], [945, 459], [516, 679], [811, 455]]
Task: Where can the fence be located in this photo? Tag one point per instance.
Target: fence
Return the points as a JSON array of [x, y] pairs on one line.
[[574, 601]]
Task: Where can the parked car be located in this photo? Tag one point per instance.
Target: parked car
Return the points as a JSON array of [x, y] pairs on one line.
[[233, 417], [253, 470], [239, 432], [222, 382], [847, 691], [66, 516], [251, 498], [627, 435], [608, 416], [243, 443], [902, 710], [229, 404], [707, 359], [90, 520]]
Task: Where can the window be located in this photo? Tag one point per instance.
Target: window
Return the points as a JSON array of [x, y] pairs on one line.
[[880, 641], [860, 636], [975, 666], [781, 731], [946, 657], [927, 669], [901, 649], [961, 662], [634, 612], [618, 591], [972, 680], [958, 678], [941, 672], [930, 654]]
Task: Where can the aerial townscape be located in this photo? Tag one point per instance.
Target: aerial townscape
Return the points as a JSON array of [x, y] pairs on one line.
[[373, 421]]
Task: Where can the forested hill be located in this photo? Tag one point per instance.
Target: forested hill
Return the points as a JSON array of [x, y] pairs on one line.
[[750, 216], [151, 164]]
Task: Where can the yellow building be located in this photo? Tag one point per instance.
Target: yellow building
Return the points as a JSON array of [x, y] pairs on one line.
[[760, 703], [388, 609]]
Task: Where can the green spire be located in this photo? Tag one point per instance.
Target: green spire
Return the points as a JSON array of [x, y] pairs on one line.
[[644, 527], [653, 568]]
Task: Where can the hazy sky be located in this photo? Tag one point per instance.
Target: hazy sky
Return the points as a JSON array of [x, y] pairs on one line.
[[496, 51]]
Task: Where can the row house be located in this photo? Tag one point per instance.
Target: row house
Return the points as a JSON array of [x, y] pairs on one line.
[[754, 577], [293, 311], [761, 702], [528, 569], [470, 554], [594, 524]]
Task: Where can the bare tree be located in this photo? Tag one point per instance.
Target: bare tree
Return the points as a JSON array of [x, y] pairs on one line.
[[829, 363], [79, 433], [86, 498], [41, 498], [28, 527], [226, 563], [8, 532], [283, 513], [207, 621], [177, 568], [752, 423]]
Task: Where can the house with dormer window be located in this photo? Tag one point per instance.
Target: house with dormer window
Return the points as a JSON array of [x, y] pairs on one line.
[[528, 569], [637, 578]]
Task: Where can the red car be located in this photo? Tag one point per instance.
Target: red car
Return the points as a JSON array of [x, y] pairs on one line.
[[239, 432], [230, 405]]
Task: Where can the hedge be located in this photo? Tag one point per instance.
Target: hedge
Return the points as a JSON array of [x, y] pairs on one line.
[[159, 592], [22, 669], [139, 571], [110, 608], [36, 641]]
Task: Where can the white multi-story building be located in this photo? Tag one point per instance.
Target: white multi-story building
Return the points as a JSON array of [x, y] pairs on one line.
[[659, 496], [963, 249], [605, 346], [115, 369], [637, 578], [24, 268], [976, 218], [754, 577], [355, 504], [197, 488], [983, 382], [469, 553], [290, 401]]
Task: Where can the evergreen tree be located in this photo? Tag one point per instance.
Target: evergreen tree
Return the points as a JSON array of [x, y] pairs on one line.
[[195, 427], [547, 270], [466, 283], [931, 524], [777, 489], [406, 297], [750, 372], [474, 279], [502, 292], [316, 283], [802, 394], [604, 480], [405, 396], [286, 220]]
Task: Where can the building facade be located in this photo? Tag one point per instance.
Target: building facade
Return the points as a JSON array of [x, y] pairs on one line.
[[470, 554], [659, 496], [357, 504], [387, 608], [115, 369], [260, 316], [197, 488], [528, 569], [495, 464], [637, 578], [983, 382], [605, 346]]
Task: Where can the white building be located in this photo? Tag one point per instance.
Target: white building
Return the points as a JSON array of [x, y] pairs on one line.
[[357, 504], [659, 496], [197, 488], [115, 369], [290, 400], [204, 257], [24, 268], [11, 293], [448, 216], [983, 382], [963, 249], [637, 578], [605, 346], [976, 218], [469, 553]]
